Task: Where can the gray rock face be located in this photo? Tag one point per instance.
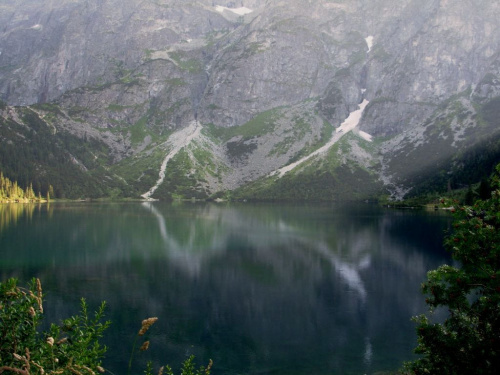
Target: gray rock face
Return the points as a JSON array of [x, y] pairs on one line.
[[118, 65], [286, 52], [51, 47]]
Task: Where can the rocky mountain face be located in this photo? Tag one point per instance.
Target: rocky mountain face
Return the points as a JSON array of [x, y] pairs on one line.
[[171, 98]]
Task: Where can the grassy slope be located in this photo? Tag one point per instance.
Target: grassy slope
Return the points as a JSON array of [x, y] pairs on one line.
[[320, 179]]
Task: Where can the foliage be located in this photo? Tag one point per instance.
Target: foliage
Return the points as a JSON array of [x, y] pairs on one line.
[[72, 347], [468, 340], [189, 368]]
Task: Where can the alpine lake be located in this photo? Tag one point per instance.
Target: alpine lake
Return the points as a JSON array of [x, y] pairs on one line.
[[282, 289]]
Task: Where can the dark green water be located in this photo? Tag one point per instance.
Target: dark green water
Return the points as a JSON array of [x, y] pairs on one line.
[[260, 289]]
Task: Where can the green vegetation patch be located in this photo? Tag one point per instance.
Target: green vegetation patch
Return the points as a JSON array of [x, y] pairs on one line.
[[140, 171], [138, 131], [182, 180], [342, 183], [76, 111], [253, 49], [206, 161], [214, 35], [316, 180], [261, 124], [117, 107], [50, 108], [283, 146], [300, 127], [182, 60]]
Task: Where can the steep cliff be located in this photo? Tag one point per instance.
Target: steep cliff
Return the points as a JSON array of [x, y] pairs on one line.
[[263, 84]]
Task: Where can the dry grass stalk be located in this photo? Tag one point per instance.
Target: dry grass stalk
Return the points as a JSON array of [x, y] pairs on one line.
[[89, 370], [146, 323], [39, 294], [210, 364], [39, 288], [144, 346], [40, 368], [62, 341], [26, 367], [13, 370], [74, 371]]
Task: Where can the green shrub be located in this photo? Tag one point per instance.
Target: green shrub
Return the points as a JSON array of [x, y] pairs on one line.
[[468, 340], [72, 347], [188, 368]]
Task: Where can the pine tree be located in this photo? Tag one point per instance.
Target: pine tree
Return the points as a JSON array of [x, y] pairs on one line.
[[50, 192], [30, 194]]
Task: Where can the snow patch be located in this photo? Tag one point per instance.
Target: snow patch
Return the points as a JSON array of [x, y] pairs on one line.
[[365, 135], [239, 11], [369, 42], [353, 119]]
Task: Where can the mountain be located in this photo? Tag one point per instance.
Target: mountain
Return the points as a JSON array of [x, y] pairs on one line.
[[258, 99]]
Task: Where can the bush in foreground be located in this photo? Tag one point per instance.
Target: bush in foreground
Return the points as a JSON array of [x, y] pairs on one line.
[[72, 347]]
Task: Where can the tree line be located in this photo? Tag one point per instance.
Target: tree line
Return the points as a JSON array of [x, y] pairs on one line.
[[10, 191]]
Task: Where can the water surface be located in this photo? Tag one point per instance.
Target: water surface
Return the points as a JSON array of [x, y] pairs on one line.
[[260, 289]]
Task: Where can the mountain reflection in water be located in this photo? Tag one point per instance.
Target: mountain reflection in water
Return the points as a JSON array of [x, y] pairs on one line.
[[267, 288]]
